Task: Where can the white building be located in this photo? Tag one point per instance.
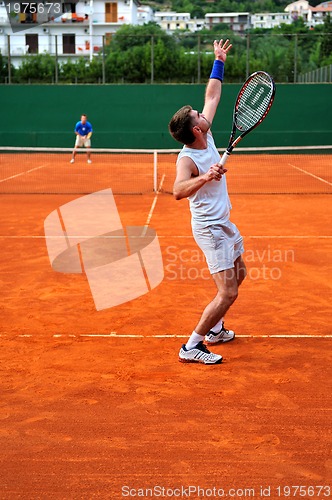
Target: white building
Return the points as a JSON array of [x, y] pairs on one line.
[[173, 21], [268, 20], [297, 9], [144, 14], [311, 15], [238, 22], [70, 30], [320, 12], [77, 29]]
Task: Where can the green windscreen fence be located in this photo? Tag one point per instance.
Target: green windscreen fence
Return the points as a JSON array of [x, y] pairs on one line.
[[137, 116]]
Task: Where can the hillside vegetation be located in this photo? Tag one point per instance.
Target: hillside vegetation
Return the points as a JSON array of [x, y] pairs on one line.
[[198, 8]]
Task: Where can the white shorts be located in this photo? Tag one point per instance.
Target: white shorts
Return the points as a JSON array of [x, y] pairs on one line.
[[221, 244], [80, 142]]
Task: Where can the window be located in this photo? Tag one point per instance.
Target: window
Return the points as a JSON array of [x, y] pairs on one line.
[[68, 43], [32, 43], [111, 12]]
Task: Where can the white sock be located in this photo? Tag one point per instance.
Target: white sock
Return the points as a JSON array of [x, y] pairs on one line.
[[194, 339], [218, 326]]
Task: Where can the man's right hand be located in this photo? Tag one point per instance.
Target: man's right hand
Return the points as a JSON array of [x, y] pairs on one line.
[[215, 172]]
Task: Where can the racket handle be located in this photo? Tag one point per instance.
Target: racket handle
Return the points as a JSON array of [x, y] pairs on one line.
[[224, 158]]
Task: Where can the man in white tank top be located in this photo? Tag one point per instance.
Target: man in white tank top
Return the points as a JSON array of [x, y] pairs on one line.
[[201, 179]]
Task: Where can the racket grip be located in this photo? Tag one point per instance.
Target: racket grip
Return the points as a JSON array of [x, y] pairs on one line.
[[224, 158]]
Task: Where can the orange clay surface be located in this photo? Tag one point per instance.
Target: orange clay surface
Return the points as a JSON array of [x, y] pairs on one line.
[[95, 405]]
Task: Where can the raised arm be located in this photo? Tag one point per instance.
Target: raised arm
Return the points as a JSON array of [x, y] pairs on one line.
[[213, 89]]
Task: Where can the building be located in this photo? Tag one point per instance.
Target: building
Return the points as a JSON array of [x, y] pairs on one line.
[[239, 22], [76, 29], [311, 15], [320, 12], [268, 20], [297, 9], [174, 21], [144, 14], [82, 28]]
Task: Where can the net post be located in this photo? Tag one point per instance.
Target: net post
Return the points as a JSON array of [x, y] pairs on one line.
[[155, 171], [295, 58], [247, 54], [152, 59], [56, 65], [103, 62], [199, 58], [9, 63]]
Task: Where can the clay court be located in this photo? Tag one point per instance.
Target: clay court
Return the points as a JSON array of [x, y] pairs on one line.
[[95, 403]]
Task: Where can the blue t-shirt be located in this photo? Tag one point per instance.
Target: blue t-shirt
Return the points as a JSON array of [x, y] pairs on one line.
[[83, 129]]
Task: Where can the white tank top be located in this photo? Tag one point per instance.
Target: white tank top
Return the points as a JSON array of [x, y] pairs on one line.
[[211, 202]]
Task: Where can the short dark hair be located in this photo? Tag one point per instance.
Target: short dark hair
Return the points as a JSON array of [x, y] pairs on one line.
[[181, 126]]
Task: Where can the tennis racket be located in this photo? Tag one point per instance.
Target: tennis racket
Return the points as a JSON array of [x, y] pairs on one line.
[[252, 105]]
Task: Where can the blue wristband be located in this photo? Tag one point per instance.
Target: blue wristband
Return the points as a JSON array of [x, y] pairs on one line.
[[217, 70]]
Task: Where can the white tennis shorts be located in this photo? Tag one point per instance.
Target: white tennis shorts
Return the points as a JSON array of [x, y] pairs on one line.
[[221, 244], [80, 142]]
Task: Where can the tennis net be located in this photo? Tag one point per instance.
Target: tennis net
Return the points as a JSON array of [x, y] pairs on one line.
[[279, 170]]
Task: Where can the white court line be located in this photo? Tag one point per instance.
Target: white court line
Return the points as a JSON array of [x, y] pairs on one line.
[[153, 206], [155, 201], [309, 173], [22, 173], [131, 336]]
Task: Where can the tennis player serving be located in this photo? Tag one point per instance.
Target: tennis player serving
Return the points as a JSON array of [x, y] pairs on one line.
[[201, 179]]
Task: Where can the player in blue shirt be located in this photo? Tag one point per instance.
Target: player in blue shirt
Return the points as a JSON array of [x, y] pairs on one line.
[[83, 131]]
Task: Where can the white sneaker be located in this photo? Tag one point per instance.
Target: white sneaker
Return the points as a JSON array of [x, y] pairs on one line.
[[89, 161], [199, 354], [220, 337], [72, 160]]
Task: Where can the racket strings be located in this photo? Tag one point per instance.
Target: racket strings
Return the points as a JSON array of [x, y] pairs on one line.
[[253, 102]]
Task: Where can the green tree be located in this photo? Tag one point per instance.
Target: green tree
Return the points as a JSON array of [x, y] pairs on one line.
[[129, 66], [136, 51], [197, 12], [132, 50], [3, 69], [37, 68], [326, 41], [132, 35]]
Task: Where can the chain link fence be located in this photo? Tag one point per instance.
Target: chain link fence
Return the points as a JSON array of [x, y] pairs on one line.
[[148, 59]]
